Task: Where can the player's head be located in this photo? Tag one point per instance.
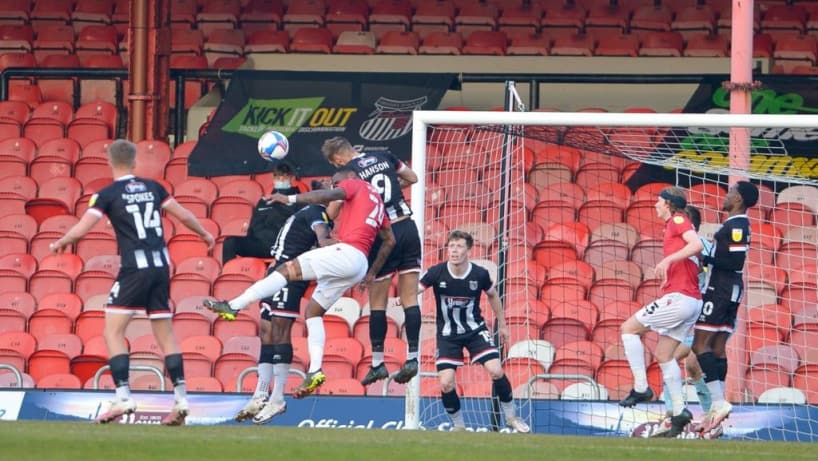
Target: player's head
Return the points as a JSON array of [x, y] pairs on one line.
[[671, 200], [342, 174], [694, 215], [282, 176], [338, 151], [740, 196], [320, 184], [458, 245], [122, 154]]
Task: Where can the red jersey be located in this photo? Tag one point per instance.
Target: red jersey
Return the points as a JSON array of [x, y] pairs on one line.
[[362, 216], [682, 276]]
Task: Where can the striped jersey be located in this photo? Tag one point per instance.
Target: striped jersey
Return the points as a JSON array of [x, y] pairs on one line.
[[133, 205], [297, 235], [381, 171], [457, 298]]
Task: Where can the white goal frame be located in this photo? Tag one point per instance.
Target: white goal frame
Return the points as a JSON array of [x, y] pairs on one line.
[[423, 119]]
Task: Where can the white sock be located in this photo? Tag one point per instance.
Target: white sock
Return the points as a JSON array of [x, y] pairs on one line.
[[179, 392], [635, 352], [672, 375], [716, 389], [508, 409], [457, 419], [264, 288], [377, 359], [411, 356], [123, 392], [316, 337], [265, 375], [281, 370]]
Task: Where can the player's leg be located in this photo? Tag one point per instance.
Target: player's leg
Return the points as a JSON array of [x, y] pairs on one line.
[[265, 367], [264, 288], [337, 268], [159, 312], [230, 248], [721, 408], [632, 331], [696, 376], [378, 297], [682, 351], [116, 321], [279, 353], [482, 350], [450, 356], [408, 275]]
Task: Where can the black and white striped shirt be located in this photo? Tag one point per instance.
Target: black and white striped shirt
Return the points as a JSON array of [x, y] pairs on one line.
[[381, 170], [297, 235], [457, 298], [133, 205]]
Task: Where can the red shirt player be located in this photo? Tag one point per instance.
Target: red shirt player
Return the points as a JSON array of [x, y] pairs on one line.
[[672, 315], [336, 267]]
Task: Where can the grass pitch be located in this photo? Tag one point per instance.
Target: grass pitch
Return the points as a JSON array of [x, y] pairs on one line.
[[39, 441]]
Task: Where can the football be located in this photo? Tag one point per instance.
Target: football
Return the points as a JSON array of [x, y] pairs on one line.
[[273, 145]]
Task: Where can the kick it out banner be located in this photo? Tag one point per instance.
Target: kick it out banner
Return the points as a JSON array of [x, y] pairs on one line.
[[372, 110]]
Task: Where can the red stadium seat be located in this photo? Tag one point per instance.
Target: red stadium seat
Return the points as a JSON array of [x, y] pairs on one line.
[[312, 40], [46, 362], [433, 17], [445, 43]]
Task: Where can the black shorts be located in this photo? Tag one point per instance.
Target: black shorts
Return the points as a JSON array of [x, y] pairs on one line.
[[720, 309], [144, 291], [406, 256], [287, 302], [479, 344]]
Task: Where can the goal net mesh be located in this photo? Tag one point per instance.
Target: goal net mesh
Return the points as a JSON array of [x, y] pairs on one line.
[[575, 251]]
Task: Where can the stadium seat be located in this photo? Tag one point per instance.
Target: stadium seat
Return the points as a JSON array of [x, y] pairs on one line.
[[527, 44], [95, 243], [139, 326], [248, 345], [46, 362], [224, 42], [216, 15], [12, 280], [21, 224], [548, 253], [580, 44], [228, 286], [783, 395], [537, 390], [520, 19], [312, 40], [66, 263], [59, 381], [355, 42], [9, 380], [89, 324], [804, 379], [584, 391], [433, 17], [68, 343], [248, 189], [766, 376], [228, 367], [45, 282], [707, 45], [15, 156], [208, 346], [781, 355], [442, 43], [244, 325], [19, 302], [805, 195], [204, 266], [103, 263], [486, 42], [203, 384], [661, 44]]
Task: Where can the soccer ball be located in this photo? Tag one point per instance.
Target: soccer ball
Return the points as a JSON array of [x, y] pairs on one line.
[[273, 145]]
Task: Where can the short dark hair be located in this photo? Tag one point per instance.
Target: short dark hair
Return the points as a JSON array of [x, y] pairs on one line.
[[122, 153], [694, 215], [459, 234], [335, 145], [748, 192], [282, 168]]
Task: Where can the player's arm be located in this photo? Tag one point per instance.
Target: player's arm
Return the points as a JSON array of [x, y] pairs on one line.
[[310, 198], [77, 231], [499, 315], [188, 219], [730, 258], [406, 177], [387, 243]]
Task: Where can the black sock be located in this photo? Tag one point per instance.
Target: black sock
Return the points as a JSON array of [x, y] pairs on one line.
[[721, 369], [451, 402], [119, 369], [176, 371], [412, 324], [502, 387], [709, 367], [377, 330]]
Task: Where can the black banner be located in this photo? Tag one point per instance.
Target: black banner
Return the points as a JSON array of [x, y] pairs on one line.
[[710, 146], [372, 110]]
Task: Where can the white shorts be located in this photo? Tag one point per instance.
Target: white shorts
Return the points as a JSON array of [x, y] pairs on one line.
[[336, 268], [674, 314]]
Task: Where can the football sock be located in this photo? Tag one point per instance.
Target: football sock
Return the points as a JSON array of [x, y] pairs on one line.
[[176, 371], [502, 387], [282, 359], [377, 335], [451, 402], [672, 375], [316, 337], [667, 399], [264, 288], [265, 371], [635, 352], [704, 394], [412, 324], [721, 369], [119, 371]]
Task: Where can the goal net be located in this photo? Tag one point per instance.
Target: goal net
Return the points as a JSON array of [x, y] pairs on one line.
[[562, 209]]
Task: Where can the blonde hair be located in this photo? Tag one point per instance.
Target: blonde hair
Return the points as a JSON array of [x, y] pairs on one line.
[[122, 153], [335, 145]]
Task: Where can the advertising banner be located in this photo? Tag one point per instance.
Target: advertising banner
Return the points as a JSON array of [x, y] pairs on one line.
[[560, 417], [10, 404], [779, 151], [372, 110]]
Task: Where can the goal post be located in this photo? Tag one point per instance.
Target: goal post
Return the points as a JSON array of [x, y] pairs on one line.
[[692, 151]]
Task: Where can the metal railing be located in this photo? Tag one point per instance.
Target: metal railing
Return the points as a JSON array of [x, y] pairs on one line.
[[154, 370], [15, 371]]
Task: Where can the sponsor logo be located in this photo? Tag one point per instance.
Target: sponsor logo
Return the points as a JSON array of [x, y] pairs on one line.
[[366, 161], [288, 116], [645, 430], [10, 403], [391, 119], [678, 219], [135, 186], [736, 235], [143, 417], [472, 285]]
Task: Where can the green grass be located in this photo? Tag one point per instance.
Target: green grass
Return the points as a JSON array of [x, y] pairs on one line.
[[39, 441]]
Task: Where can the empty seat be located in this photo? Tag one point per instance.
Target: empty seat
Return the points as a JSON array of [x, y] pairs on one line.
[[486, 43], [448, 43], [355, 42], [574, 45], [661, 44], [395, 42], [312, 40]]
